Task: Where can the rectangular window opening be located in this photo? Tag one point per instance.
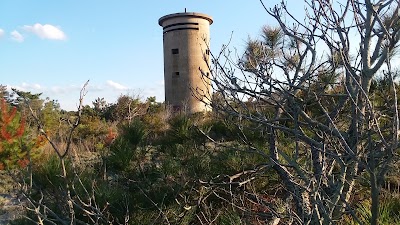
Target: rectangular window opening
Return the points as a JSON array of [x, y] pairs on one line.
[[177, 73], [175, 51]]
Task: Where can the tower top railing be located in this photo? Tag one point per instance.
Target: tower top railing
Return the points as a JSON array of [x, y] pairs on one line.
[[185, 14]]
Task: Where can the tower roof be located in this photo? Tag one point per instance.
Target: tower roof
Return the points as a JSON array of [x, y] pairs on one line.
[[185, 14]]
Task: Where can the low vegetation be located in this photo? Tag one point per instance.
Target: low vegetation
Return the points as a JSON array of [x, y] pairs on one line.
[[296, 136], [155, 168]]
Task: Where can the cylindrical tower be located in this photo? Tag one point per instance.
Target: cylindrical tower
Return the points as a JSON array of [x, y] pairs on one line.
[[186, 38]]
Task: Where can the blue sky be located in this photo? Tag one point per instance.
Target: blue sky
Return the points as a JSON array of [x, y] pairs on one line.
[[53, 47]]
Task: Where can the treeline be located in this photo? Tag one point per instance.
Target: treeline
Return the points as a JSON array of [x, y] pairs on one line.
[[131, 162], [136, 162]]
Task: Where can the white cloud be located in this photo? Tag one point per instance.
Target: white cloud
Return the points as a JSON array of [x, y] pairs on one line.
[[116, 86], [16, 36], [155, 90], [28, 87], [46, 31], [1, 32], [64, 89], [94, 88], [32, 86], [56, 90]]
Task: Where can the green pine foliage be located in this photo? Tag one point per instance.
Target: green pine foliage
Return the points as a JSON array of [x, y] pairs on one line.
[[161, 168]]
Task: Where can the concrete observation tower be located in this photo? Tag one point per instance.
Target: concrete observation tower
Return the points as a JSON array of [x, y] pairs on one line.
[[186, 38]]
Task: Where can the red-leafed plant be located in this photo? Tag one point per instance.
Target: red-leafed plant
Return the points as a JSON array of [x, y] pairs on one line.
[[110, 137], [15, 145]]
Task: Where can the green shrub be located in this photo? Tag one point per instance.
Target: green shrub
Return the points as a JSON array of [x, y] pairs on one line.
[[48, 174], [389, 212], [229, 217], [125, 148]]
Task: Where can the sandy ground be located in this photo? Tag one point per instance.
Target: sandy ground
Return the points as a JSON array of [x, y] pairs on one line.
[[10, 206]]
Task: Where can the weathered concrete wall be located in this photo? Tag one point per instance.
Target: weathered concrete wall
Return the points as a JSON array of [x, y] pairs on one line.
[[186, 39]]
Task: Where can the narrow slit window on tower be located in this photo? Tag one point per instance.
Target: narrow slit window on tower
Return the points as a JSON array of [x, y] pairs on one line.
[[208, 51], [175, 51], [176, 73]]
